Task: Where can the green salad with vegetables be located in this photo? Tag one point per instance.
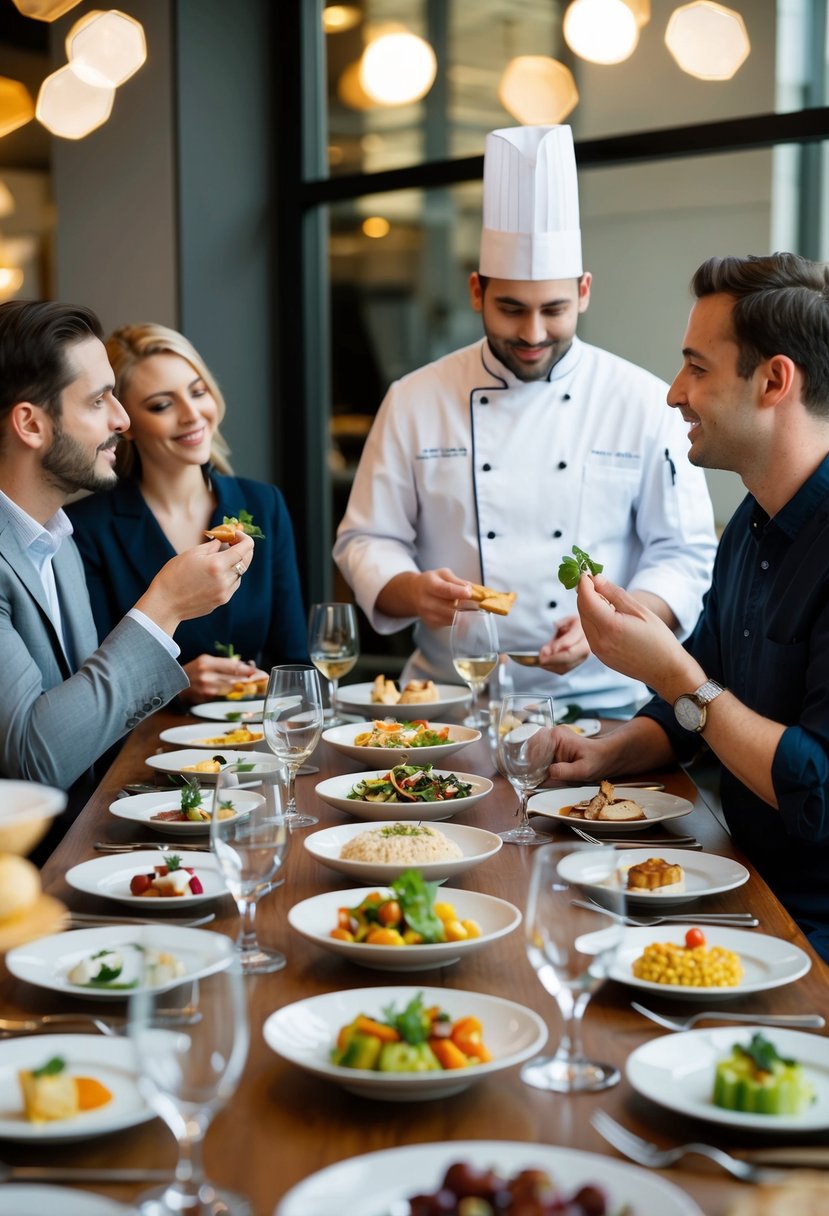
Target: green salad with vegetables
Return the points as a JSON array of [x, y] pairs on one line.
[[410, 783]]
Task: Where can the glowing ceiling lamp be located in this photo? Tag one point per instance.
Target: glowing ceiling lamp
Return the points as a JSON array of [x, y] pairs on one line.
[[537, 90], [350, 89], [336, 18], [16, 105], [106, 48], [44, 10], [376, 226], [601, 31], [708, 40], [11, 280], [69, 107], [397, 69]]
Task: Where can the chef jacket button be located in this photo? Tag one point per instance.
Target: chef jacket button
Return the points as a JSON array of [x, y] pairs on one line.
[[746, 633], [487, 467], [764, 565], [562, 464], [490, 536], [484, 400], [566, 397], [557, 533], [553, 604]]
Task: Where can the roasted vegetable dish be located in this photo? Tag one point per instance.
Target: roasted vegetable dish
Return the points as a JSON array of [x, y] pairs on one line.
[[415, 1040], [758, 1081], [407, 915]]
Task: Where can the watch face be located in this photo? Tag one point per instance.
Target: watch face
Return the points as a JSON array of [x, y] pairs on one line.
[[688, 713]]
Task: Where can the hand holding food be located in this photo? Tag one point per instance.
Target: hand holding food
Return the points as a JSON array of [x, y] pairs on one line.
[[498, 602], [572, 568], [231, 524], [416, 1040], [759, 1081]]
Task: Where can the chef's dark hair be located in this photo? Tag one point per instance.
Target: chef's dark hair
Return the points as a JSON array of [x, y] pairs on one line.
[[781, 307], [34, 336]]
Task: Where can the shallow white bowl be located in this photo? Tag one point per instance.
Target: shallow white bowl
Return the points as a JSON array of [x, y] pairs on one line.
[[305, 1032], [334, 791], [657, 805], [342, 738], [140, 808], [356, 699], [110, 877], [179, 762], [314, 918], [196, 735], [229, 711], [476, 844]]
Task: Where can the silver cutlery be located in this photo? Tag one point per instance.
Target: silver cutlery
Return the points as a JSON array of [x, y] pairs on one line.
[[626, 843], [104, 846], [47, 1021], [85, 920], [75, 1173], [644, 1153], [807, 1156], [796, 1020], [735, 919]]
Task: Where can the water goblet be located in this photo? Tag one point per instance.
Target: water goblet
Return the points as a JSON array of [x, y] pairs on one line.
[[474, 644], [292, 724], [249, 837], [572, 950], [188, 1068], [525, 749], [334, 646]]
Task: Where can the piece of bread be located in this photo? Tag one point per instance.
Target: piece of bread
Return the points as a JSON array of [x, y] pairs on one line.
[[45, 1098], [653, 873], [226, 533], [622, 809], [20, 885], [247, 688], [498, 602], [384, 692], [418, 692]]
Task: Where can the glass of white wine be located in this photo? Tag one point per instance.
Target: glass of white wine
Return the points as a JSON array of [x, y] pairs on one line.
[[334, 646], [292, 725], [474, 645]]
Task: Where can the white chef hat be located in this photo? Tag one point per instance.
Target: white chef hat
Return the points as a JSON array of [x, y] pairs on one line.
[[531, 205]]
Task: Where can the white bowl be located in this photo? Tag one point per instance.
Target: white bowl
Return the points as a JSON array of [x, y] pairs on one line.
[[25, 810], [180, 762], [306, 1031], [342, 738], [335, 790], [140, 808], [356, 699], [476, 844], [314, 918]]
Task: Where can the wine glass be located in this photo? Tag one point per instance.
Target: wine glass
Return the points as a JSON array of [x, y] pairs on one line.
[[292, 724], [572, 950], [334, 646], [250, 847], [474, 643], [524, 739], [188, 1068]]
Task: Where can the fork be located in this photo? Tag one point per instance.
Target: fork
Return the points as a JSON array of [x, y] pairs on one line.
[[87, 920], [807, 1020], [45, 1021], [735, 920], [645, 1153], [678, 842]]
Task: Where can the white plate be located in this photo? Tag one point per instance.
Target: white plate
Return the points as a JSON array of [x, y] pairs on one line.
[[334, 791], [658, 806], [31, 1199], [677, 1071], [110, 877], [476, 844], [314, 918], [705, 874], [220, 711], [768, 962], [109, 1060], [140, 808], [356, 698], [371, 1184], [197, 736], [342, 738], [48, 961], [177, 762], [585, 726]]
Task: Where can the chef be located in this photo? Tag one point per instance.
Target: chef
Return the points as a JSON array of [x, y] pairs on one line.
[[489, 464]]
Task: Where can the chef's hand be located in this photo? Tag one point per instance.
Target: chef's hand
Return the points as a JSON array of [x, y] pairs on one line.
[[432, 596], [566, 649]]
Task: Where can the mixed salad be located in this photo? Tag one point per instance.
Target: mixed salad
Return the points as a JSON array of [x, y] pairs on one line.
[[410, 783]]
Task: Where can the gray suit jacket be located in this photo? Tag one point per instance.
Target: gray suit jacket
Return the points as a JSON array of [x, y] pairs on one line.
[[55, 721]]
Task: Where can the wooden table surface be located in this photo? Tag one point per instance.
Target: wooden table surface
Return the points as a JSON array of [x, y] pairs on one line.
[[282, 1124]]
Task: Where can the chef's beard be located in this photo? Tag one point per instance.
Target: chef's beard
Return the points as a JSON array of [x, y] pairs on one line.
[[503, 350]]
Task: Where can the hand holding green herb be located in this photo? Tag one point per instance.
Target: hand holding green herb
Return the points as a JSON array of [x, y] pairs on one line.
[[572, 568]]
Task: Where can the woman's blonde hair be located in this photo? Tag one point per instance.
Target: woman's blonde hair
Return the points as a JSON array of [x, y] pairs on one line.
[[129, 346]]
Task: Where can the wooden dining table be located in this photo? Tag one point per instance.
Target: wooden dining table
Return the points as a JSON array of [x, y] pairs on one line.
[[283, 1124]]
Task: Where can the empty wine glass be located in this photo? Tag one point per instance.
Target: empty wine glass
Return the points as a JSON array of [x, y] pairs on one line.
[[249, 835], [525, 752], [292, 724], [474, 643], [572, 950], [334, 646], [188, 1071]]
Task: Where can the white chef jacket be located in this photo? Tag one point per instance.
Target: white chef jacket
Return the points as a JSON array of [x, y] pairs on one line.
[[467, 466]]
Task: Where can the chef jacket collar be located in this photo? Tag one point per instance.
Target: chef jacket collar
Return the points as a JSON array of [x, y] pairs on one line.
[[559, 371]]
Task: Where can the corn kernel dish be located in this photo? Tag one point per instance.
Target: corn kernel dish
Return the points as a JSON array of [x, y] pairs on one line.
[[690, 967]]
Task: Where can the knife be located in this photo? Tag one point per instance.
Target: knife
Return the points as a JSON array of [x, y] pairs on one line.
[[74, 1173], [814, 1156], [103, 846]]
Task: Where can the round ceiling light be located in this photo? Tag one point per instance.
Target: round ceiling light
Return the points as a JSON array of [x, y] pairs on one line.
[[537, 90], [397, 69], [601, 31], [106, 48], [69, 107], [708, 40]]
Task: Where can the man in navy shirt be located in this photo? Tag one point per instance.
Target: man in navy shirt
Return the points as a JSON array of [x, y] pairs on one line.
[[752, 680]]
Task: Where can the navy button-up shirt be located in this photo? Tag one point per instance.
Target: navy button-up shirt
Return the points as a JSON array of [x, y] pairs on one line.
[[764, 634]]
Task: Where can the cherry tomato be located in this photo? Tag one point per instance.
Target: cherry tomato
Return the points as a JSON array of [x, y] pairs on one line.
[[694, 938], [141, 883], [195, 885], [390, 913]]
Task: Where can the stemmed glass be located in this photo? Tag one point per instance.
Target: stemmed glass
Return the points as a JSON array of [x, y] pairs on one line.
[[572, 950], [474, 643], [334, 646], [525, 752], [292, 724], [188, 1069], [250, 847]]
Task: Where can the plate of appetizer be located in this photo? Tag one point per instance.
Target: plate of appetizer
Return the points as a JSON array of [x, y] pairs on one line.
[[150, 880], [230, 711], [683, 962], [237, 735], [362, 1039], [33, 1199], [194, 764], [417, 699], [58, 1088], [584, 726], [408, 791], [110, 962], [662, 876], [413, 925], [609, 808], [376, 1184], [387, 740], [383, 851], [772, 1080], [181, 812]]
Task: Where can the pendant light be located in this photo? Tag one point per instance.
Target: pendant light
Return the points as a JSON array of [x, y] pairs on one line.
[[397, 68], [601, 31], [708, 40], [69, 107], [537, 90], [106, 48]]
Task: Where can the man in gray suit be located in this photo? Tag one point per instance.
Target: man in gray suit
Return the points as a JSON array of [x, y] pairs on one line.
[[65, 699]]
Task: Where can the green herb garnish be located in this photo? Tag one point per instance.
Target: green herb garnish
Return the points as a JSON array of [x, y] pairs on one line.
[[763, 1053], [190, 796], [417, 898], [572, 568], [244, 522], [226, 649], [172, 861], [51, 1068], [413, 1024]]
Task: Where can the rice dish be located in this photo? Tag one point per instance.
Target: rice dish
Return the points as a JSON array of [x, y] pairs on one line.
[[406, 843]]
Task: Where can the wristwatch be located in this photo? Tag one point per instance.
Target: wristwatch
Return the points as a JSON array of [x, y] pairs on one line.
[[691, 708]]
